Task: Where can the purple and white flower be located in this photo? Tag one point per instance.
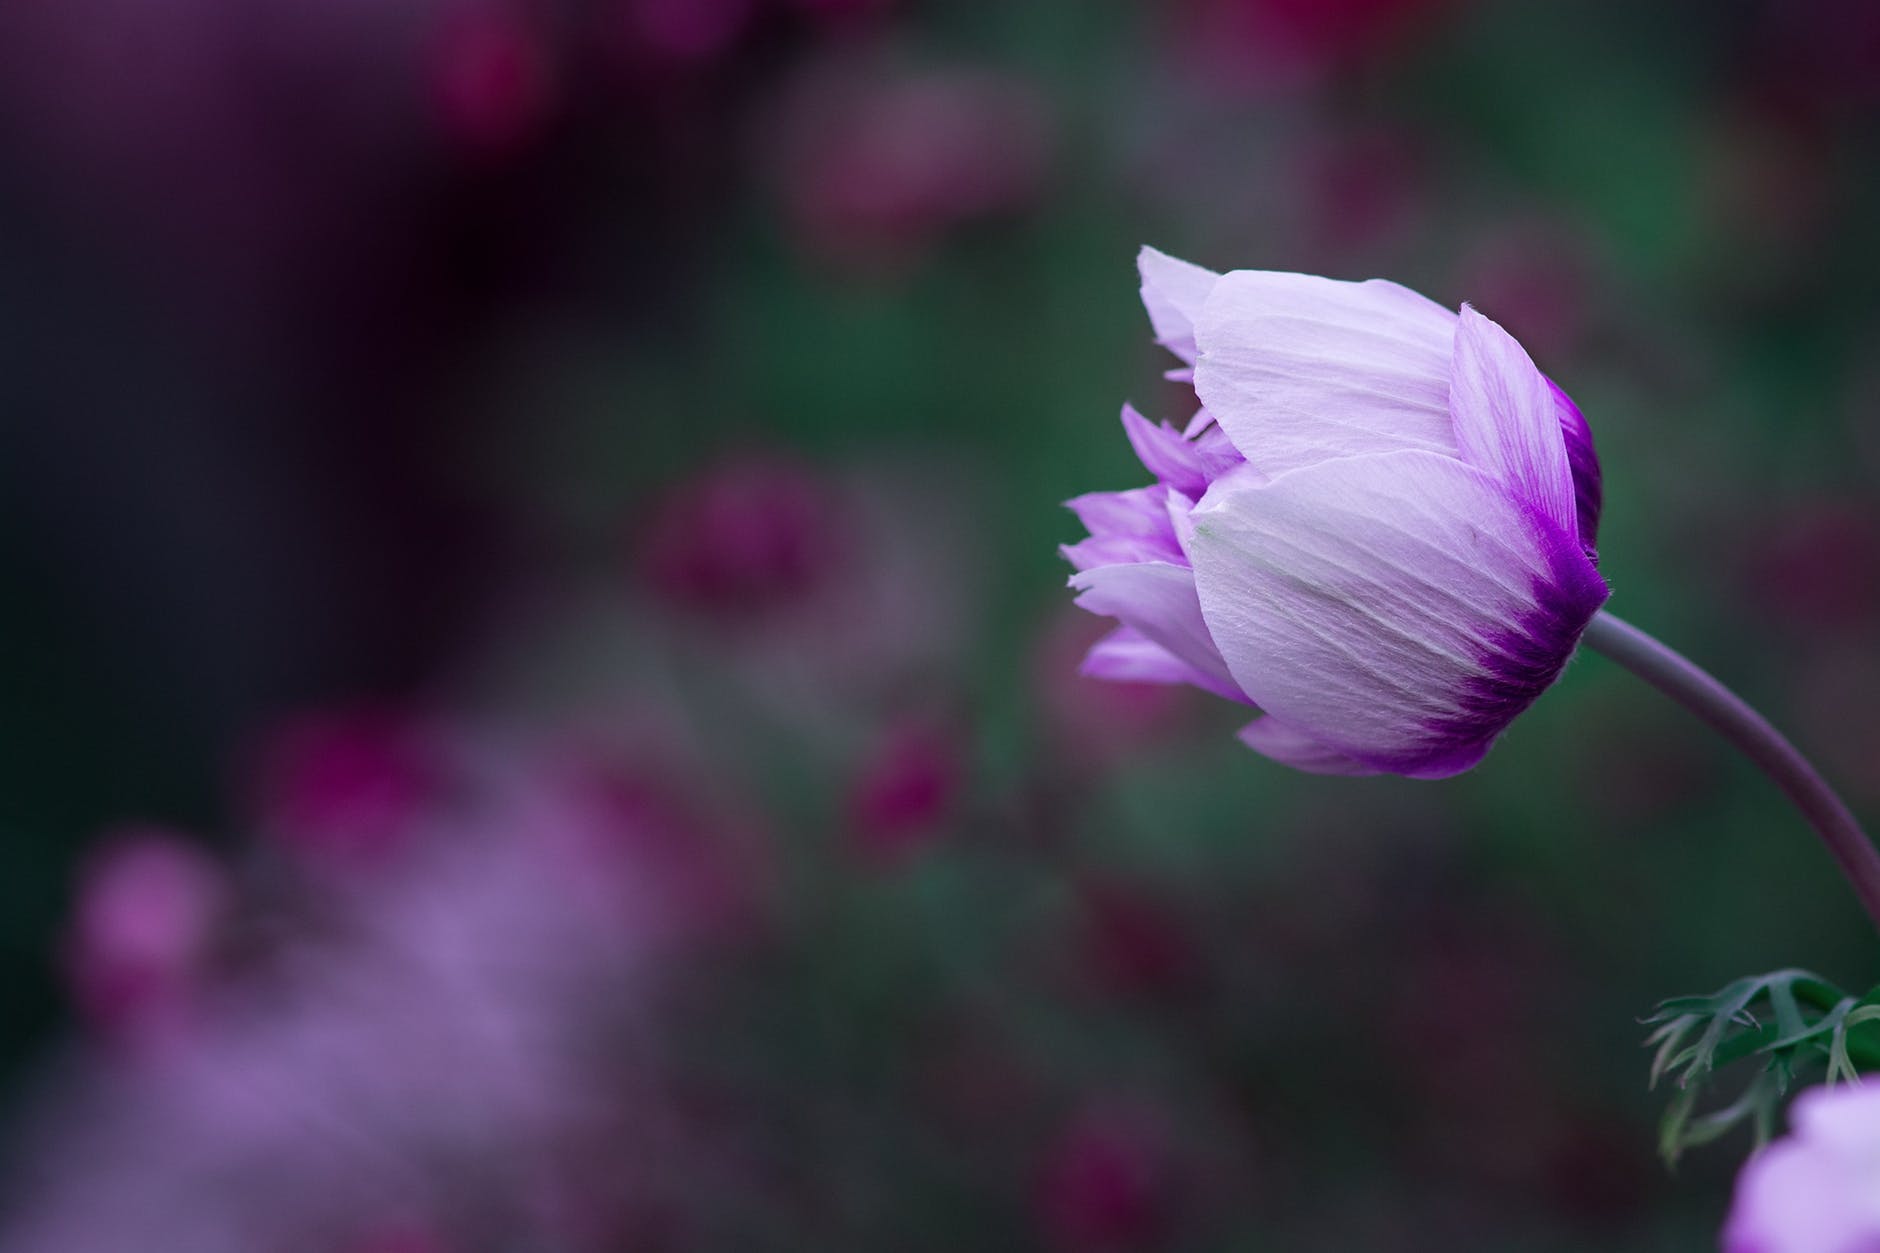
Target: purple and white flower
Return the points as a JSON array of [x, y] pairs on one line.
[[1817, 1190], [1378, 528]]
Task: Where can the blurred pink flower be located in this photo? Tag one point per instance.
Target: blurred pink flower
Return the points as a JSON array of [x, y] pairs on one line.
[[347, 787], [1289, 44], [874, 167], [908, 786], [829, 595], [491, 79], [748, 536], [149, 907], [461, 1036], [1818, 1190], [1104, 1183]]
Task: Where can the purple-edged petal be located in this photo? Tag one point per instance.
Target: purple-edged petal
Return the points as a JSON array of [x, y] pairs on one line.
[[1157, 600], [1285, 744], [1400, 609], [1124, 527], [1299, 369], [1506, 421], [1128, 656], [1583, 459], [1173, 292], [1186, 465]]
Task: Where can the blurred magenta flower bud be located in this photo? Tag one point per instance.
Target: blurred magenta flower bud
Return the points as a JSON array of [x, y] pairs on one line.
[[1105, 1181], [907, 787], [148, 909], [345, 788], [749, 536], [1818, 1190], [1378, 529], [491, 81]]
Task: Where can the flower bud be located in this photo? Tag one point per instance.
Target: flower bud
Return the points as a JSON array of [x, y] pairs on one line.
[[1378, 529]]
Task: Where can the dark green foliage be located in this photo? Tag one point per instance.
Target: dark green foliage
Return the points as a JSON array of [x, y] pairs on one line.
[[1777, 1027]]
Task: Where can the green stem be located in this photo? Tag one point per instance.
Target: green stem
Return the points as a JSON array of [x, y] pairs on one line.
[[1729, 715]]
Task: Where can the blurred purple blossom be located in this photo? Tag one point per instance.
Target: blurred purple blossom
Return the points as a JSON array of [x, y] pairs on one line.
[[907, 788], [491, 79], [1104, 1185], [140, 946], [834, 596], [1284, 45], [347, 787], [430, 1064], [747, 537]]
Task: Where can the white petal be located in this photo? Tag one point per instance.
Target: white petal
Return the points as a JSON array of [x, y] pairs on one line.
[[1157, 599], [1506, 420], [1173, 292], [1128, 656], [1399, 609], [1285, 744], [1299, 369]]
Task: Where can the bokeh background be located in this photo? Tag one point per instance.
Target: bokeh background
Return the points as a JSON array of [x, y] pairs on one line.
[[540, 708]]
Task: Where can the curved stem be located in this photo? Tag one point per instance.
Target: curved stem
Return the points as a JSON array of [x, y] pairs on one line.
[[1730, 715]]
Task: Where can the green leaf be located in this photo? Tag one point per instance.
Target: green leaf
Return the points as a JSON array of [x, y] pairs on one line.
[[1788, 1020]]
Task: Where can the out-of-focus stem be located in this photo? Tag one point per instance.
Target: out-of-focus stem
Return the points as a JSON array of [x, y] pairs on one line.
[[1730, 715]]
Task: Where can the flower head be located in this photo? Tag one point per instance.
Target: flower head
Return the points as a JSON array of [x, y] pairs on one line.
[[1818, 1191], [1378, 528], [143, 931]]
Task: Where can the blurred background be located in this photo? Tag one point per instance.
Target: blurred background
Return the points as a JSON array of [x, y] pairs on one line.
[[541, 711]]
